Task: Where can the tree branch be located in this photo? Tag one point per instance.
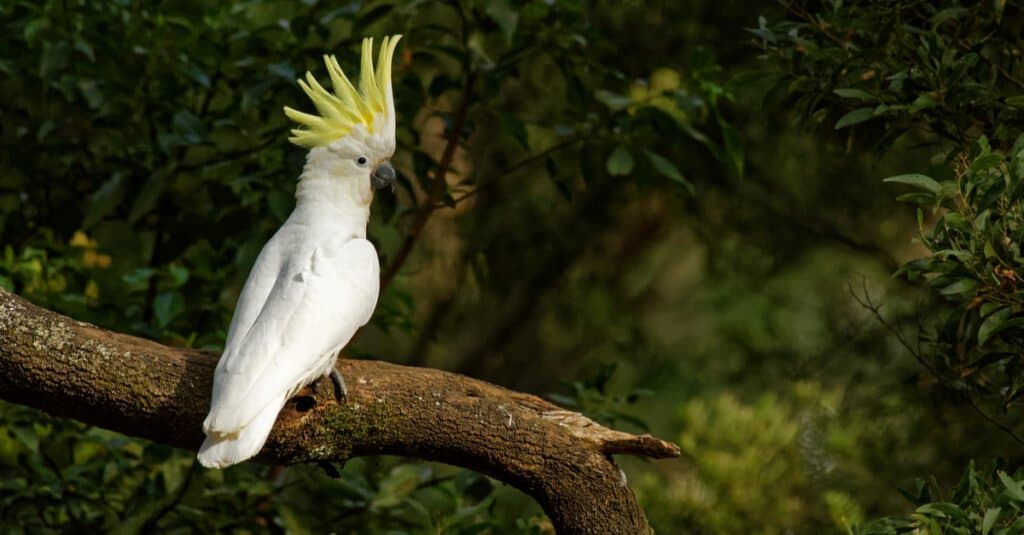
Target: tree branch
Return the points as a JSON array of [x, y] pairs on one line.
[[141, 388]]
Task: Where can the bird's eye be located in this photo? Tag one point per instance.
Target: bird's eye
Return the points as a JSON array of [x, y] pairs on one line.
[[361, 160]]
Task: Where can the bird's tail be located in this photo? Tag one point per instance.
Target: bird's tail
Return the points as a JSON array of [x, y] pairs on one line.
[[221, 450]]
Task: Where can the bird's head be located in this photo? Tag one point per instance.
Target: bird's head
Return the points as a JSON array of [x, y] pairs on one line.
[[353, 128]]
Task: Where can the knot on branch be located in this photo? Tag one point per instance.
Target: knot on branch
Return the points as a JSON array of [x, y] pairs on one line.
[[610, 441]]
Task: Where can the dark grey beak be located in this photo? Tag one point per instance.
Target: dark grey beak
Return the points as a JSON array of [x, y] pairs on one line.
[[383, 177]]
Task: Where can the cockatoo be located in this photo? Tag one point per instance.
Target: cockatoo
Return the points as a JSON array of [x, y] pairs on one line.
[[316, 281]]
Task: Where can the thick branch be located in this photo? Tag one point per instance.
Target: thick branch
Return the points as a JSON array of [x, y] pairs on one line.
[[142, 388]]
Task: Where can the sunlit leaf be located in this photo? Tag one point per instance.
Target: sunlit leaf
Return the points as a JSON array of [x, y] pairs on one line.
[[620, 162], [917, 180]]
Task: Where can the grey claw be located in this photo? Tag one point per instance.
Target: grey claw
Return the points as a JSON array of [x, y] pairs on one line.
[[340, 392]]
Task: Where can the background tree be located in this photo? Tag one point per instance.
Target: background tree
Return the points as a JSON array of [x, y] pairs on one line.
[[626, 207]]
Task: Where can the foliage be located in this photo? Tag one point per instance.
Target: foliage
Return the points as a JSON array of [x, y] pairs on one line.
[[599, 400], [974, 263], [945, 75], [59, 474], [984, 502], [941, 68], [781, 463]]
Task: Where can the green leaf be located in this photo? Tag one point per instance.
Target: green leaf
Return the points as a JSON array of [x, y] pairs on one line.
[[167, 306], [855, 93], [188, 127], [467, 513], [90, 91], [956, 221], [197, 74], [514, 128], [292, 522], [733, 145], [34, 27], [988, 308], [668, 169], [283, 70], [620, 162], [856, 116], [961, 286], [614, 101], [1016, 102], [399, 483], [949, 14], [993, 324], [27, 437], [763, 31], [985, 161], [85, 48], [1008, 324], [941, 510], [177, 274], [138, 279], [918, 197], [147, 199], [506, 17], [991, 515], [914, 179], [1013, 488], [923, 102], [104, 200]]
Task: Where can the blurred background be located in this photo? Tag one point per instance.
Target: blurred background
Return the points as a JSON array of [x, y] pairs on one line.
[[669, 216]]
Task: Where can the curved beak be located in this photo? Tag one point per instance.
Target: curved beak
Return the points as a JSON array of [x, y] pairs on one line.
[[383, 176]]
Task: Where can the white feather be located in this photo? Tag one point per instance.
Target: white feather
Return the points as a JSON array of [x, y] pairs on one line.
[[312, 287], [220, 451]]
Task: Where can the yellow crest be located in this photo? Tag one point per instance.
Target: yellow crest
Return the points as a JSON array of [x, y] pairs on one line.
[[346, 108]]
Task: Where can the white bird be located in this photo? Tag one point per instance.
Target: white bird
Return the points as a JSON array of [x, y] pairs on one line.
[[316, 281]]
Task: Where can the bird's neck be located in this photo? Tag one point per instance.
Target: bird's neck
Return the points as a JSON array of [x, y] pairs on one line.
[[326, 198]]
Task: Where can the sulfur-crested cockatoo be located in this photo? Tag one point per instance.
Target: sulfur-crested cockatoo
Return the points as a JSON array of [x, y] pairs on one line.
[[316, 281]]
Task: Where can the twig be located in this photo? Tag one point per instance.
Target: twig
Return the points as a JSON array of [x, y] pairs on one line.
[[867, 303], [437, 188], [226, 157], [1002, 427], [1006, 74], [1002, 70], [818, 23], [875, 309], [169, 505], [513, 168]]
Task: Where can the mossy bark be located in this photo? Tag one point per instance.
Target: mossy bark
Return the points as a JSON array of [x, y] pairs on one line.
[[141, 388]]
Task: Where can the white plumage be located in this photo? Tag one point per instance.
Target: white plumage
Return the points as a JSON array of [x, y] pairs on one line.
[[314, 284]]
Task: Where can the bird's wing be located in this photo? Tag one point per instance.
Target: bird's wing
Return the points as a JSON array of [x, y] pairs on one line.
[[257, 287], [317, 303]]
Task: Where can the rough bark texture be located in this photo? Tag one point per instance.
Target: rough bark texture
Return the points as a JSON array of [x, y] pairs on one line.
[[141, 388]]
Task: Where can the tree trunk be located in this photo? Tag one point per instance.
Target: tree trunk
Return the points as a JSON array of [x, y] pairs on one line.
[[141, 388]]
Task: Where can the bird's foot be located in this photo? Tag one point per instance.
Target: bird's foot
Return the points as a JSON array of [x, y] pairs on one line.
[[340, 392]]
